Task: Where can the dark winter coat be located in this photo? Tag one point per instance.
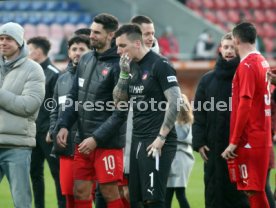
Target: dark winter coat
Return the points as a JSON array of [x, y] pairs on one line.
[[211, 128], [97, 75], [62, 89]]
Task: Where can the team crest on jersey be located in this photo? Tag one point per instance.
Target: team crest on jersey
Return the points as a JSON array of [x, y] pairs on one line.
[[145, 75], [105, 72]]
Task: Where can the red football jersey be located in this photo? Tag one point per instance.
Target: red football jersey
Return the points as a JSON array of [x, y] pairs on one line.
[[250, 81]]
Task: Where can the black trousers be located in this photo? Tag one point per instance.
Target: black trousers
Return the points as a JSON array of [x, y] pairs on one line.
[[146, 181], [39, 154]]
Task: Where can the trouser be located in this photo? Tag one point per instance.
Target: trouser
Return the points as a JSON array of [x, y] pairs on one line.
[[40, 153], [15, 164]]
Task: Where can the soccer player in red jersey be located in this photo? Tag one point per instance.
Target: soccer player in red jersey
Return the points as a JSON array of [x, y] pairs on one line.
[[250, 127]]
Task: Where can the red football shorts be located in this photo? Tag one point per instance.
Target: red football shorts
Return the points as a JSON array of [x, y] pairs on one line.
[[102, 165], [66, 175], [253, 167]]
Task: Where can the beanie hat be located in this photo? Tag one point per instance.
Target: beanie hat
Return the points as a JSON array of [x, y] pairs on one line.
[[13, 30]]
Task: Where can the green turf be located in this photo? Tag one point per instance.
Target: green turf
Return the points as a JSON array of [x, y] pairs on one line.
[[195, 188]]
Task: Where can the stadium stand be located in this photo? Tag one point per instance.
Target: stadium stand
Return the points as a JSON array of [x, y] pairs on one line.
[[226, 13], [45, 18]]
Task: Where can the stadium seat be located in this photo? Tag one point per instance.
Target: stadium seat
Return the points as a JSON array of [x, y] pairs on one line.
[[222, 16], [259, 29], [220, 4], [61, 18], [255, 4], [38, 5], [233, 4], [86, 18], [269, 45], [208, 4], [74, 6], [21, 18], [69, 29], [53, 6], [8, 17], [24, 5], [35, 18], [259, 16], [56, 31], [43, 30], [243, 4], [210, 16], [266, 4], [234, 16], [30, 31], [269, 30], [194, 4], [10, 5], [270, 15]]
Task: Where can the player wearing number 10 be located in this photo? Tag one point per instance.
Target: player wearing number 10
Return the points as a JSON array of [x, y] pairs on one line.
[[250, 126], [101, 133]]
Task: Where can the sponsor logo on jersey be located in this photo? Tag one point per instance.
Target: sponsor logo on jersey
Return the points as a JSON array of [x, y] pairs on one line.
[[171, 79], [136, 89]]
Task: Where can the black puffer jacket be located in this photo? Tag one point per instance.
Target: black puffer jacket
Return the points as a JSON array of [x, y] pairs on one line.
[[211, 128], [97, 75], [51, 74], [61, 91]]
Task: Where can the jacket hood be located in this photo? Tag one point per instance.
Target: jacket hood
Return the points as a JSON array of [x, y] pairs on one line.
[[5, 67], [226, 69], [111, 53]]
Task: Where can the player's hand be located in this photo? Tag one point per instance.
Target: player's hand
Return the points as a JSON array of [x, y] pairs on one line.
[[229, 152], [155, 147], [125, 63], [48, 138], [62, 137], [87, 145], [203, 152]]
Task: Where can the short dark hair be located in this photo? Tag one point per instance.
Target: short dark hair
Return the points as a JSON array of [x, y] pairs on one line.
[[132, 31], [246, 32], [140, 19], [83, 31], [110, 23], [79, 39], [41, 42]]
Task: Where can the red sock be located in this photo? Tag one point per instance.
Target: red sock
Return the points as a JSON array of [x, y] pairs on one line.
[[258, 200], [70, 201], [83, 203], [117, 203], [125, 202]]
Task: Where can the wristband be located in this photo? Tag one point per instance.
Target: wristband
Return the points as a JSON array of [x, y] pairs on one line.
[[124, 75], [163, 138]]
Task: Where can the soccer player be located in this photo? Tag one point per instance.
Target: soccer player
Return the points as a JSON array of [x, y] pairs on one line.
[[101, 129], [152, 87], [211, 128], [148, 31], [77, 46], [250, 126], [39, 48]]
